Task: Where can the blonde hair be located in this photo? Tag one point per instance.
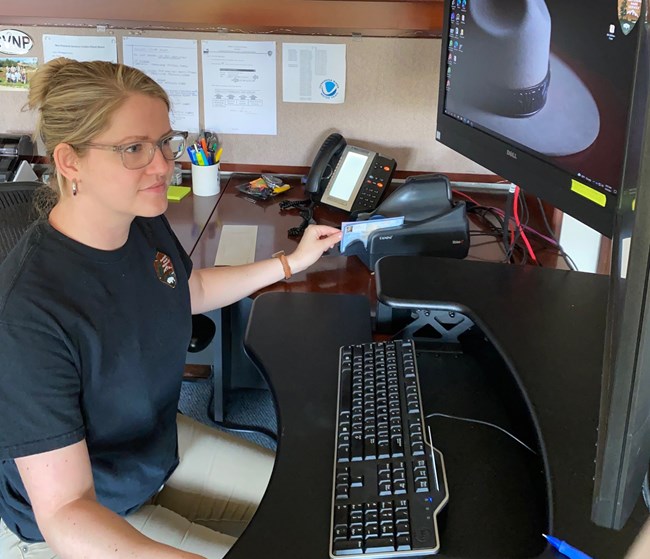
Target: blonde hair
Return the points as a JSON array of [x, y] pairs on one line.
[[76, 100]]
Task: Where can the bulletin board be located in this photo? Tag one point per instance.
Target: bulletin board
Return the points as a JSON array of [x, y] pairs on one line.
[[390, 103]]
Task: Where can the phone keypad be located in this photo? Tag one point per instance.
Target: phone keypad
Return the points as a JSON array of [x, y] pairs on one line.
[[374, 186]]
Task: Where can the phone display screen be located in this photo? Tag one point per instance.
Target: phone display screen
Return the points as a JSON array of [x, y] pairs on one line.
[[352, 167]]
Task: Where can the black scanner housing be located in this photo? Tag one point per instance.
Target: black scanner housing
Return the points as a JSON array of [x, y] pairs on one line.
[[433, 224], [13, 149]]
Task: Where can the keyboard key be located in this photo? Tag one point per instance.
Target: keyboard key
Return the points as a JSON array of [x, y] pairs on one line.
[[403, 543], [340, 532], [379, 545], [347, 547]]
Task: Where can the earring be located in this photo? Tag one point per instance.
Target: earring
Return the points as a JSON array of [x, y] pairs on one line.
[[74, 188]]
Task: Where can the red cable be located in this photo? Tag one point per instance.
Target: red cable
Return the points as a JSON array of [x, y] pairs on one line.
[[462, 194], [520, 228], [516, 215]]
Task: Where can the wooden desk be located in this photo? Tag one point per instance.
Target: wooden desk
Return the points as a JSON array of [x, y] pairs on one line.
[[190, 217], [333, 273]]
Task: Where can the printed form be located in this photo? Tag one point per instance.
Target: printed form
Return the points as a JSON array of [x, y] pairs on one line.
[[313, 73], [239, 81], [173, 63], [80, 48]]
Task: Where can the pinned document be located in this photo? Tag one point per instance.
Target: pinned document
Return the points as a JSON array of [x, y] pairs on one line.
[[313, 73]]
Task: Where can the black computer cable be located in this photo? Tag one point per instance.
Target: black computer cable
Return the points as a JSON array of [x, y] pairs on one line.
[[570, 263]]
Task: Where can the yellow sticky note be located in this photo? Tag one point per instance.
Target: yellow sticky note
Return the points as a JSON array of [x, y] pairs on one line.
[[588, 193], [177, 193]]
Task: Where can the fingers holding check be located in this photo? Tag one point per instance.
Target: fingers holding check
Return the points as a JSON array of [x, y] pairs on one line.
[[316, 239]]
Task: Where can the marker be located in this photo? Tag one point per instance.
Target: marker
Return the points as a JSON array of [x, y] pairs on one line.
[[566, 549], [217, 156], [192, 154], [204, 145], [204, 159]]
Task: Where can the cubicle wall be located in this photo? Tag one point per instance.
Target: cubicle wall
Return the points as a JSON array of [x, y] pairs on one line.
[[390, 103]]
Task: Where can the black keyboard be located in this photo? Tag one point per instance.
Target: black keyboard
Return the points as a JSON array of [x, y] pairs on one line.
[[389, 481]]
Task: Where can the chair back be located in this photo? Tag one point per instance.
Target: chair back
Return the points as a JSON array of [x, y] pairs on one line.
[[16, 213]]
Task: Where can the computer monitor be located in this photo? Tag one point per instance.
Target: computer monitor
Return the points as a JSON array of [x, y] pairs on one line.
[[539, 92], [552, 95]]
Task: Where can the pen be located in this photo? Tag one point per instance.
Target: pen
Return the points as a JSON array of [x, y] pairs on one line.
[[566, 549], [217, 156]]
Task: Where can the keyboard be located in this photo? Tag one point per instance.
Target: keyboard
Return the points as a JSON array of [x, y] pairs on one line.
[[389, 481]]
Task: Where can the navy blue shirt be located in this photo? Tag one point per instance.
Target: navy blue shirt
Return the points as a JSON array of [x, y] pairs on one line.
[[92, 346]]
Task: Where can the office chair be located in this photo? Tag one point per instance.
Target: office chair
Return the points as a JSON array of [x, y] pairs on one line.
[[16, 213], [203, 331]]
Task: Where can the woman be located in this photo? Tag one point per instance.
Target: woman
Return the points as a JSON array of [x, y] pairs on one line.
[[95, 318]]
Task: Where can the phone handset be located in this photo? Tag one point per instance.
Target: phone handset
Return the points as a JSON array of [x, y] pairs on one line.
[[324, 164]]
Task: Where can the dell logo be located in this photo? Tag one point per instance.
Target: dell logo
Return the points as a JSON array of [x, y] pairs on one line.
[[386, 238], [511, 153]]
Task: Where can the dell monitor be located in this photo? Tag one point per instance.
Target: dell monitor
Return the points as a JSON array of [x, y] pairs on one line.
[[552, 95]]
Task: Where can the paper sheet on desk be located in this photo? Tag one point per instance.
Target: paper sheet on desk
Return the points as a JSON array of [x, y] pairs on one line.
[[360, 230], [236, 245]]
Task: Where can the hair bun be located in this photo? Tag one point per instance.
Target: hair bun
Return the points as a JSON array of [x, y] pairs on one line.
[[43, 79]]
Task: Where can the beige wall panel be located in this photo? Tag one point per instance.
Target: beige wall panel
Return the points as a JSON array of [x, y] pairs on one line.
[[390, 105]]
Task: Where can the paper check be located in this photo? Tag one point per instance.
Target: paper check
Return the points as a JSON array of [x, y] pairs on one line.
[[360, 230]]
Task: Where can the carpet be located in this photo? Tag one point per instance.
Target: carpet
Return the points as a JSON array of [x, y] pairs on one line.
[[250, 408]]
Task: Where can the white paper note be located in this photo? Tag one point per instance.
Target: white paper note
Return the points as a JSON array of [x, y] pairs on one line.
[[81, 48], [173, 63], [313, 73], [239, 81], [236, 245]]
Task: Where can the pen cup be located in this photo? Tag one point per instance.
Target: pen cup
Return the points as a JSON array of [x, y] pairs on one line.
[[206, 180]]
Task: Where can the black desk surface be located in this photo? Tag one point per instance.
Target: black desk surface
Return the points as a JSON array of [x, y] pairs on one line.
[[548, 325], [295, 338]]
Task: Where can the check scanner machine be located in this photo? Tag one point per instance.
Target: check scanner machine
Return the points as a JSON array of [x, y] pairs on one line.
[[16, 150], [433, 224]]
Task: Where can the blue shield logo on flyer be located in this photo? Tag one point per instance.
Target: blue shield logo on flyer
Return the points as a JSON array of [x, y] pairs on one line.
[[329, 89]]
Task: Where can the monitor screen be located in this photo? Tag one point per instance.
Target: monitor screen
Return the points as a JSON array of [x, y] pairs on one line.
[[538, 92]]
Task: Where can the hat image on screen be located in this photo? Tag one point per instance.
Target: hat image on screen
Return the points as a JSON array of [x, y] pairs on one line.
[[520, 89]]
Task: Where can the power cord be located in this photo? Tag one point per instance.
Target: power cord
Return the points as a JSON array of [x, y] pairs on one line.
[[480, 422]]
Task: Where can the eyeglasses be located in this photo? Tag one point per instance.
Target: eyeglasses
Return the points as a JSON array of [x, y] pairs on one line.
[[139, 154]]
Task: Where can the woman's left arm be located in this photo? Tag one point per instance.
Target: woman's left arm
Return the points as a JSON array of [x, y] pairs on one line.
[[213, 288]]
